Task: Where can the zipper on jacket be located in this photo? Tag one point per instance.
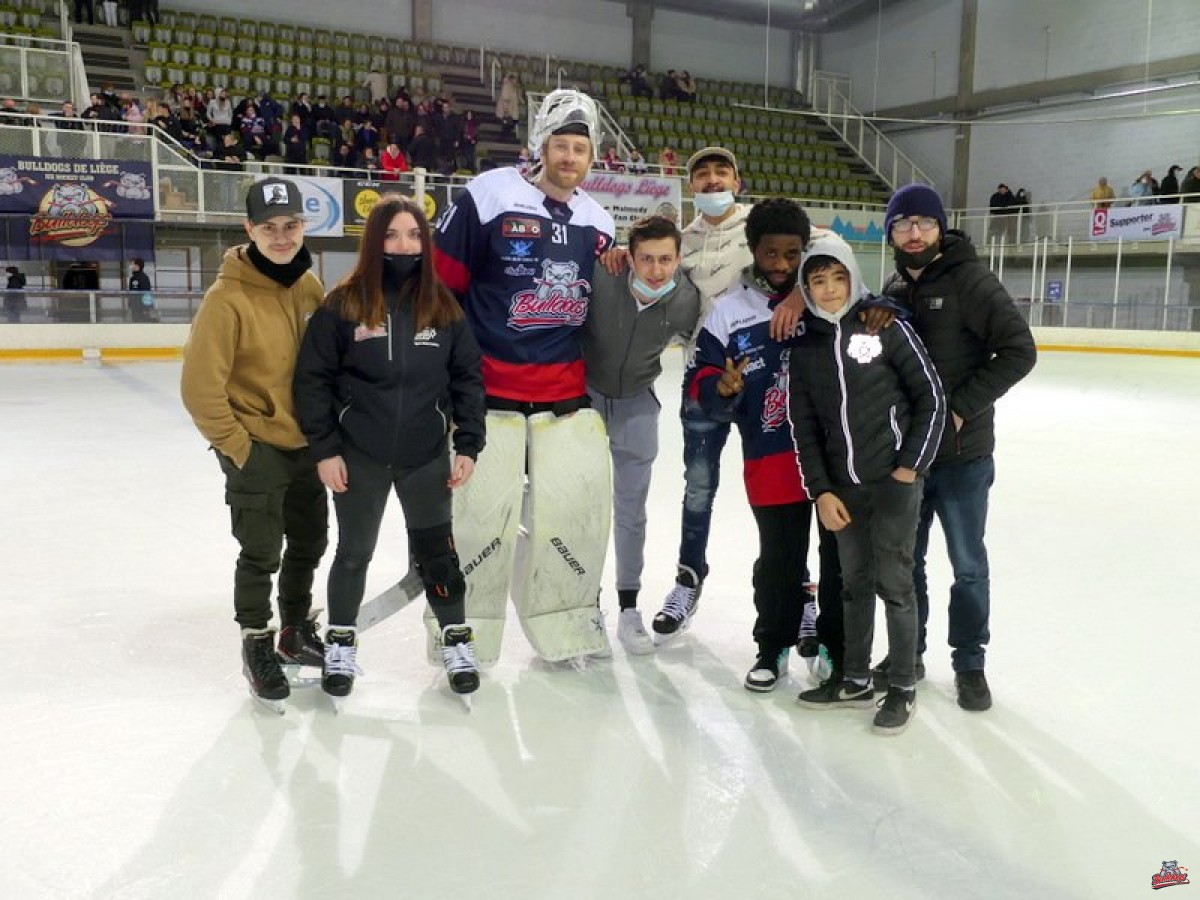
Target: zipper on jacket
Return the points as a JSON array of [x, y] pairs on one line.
[[895, 426], [845, 411]]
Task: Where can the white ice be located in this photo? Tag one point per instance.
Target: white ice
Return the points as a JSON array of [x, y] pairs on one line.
[[135, 766]]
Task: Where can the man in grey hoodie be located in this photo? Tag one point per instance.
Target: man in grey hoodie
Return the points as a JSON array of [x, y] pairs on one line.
[[631, 320]]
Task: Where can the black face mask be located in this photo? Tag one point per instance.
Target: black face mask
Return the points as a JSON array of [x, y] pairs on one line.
[[399, 267], [916, 260]]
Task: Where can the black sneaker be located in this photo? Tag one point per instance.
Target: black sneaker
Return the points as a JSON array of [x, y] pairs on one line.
[[973, 692], [837, 692], [880, 673], [768, 668], [339, 662], [895, 711], [680, 605], [300, 645], [261, 666]]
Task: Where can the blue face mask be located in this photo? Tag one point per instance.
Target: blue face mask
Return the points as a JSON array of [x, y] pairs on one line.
[[714, 204], [648, 293]]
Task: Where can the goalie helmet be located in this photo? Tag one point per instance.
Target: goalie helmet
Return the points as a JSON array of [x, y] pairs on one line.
[[562, 108]]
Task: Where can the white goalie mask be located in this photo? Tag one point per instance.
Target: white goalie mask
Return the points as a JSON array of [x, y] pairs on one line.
[[561, 108]]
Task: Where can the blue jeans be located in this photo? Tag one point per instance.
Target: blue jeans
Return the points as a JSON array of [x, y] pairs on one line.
[[958, 495], [703, 440]]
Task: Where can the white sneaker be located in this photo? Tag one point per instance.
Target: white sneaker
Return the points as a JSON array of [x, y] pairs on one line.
[[632, 633]]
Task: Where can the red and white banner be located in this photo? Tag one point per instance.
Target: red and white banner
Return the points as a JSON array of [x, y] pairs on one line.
[[631, 197], [1137, 223]]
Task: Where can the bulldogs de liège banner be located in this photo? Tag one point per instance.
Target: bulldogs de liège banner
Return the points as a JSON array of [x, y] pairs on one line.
[[631, 197], [74, 203]]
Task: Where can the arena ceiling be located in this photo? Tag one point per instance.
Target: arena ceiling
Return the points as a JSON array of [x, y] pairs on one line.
[[796, 15]]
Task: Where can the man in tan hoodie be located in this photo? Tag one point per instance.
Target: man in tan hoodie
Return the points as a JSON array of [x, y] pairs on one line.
[[237, 386]]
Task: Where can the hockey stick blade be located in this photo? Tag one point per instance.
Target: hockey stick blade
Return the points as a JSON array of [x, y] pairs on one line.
[[391, 601]]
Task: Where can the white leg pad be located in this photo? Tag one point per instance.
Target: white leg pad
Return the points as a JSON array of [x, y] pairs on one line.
[[557, 584], [487, 512]]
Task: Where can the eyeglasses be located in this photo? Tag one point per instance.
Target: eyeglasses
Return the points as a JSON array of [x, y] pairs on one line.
[[904, 226]]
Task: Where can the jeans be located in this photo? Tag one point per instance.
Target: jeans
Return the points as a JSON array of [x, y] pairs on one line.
[[958, 495], [703, 440], [876, 549]]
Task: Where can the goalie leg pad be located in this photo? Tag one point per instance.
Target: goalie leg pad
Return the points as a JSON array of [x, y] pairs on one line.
[[570, 512], [486, 515]]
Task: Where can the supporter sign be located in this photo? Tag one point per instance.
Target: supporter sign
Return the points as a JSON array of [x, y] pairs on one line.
[[1137, 223], [27, 238], [631, 197], [322, 204]]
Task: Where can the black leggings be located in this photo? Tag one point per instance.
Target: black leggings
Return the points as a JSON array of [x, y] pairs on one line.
[[425, 499]]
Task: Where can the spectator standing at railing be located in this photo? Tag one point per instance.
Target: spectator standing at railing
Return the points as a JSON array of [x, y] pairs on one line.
[[422, 152], [470, 138], [1190, 187], [1002, 208], [1102, 194], [636, 163], [141, 305], [669, 161], [1141, 192], [295, 144], [508, 106], [398, 126], [10, 114], [611, 162], [393, 162], [1170, 186], [346, 157], [14, 295], [369, 160], [133, 115], [66, 120]]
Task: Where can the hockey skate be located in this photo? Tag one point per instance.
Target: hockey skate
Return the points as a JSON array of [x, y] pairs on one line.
[[260, 665], [458, 656], [340, 666], [808, 645], [680, 606]]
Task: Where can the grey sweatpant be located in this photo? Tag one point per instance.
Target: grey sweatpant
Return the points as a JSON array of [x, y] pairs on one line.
[[632, 424]]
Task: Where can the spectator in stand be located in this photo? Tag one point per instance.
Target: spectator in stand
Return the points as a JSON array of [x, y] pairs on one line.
[[231, 154], [302, 107], [639, 84], [344, 110], [100, 112], [422, 152], [295, 144], [1001, 212], [393, 162], [449, 132], [323, 123], [399, 123], [271, 112], [189, 131], [66, 120], [9, 114], [668, 160], [141, 306], [220, 115], [109, 95], [14, 295], [255, 138], [347, 132], [1102, 194], [165, 120], [376, 83], [1141, 192], [1190, 187], [610, 162], [685, 87], [508, 107], [367, 136], [470, 138], [1024, 209], [524, 163], [89, 7], [370, 161], [668, 86], [379, 114], [346, 156], [636, 163], [133, 116], [1170, 186]]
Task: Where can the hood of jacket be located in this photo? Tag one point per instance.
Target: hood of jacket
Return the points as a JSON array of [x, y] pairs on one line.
[[829, 244]]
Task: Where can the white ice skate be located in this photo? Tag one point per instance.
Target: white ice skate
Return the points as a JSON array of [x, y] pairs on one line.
[[458, 656]]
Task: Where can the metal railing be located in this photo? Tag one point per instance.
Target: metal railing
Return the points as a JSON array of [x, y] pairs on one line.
[[47, 305], [42, 70], [832, 102]]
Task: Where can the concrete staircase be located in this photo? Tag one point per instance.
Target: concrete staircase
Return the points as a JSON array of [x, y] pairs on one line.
[[107, 57], [461, 84]]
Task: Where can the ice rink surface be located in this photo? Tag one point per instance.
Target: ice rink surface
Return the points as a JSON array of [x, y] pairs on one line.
[[134, 764]]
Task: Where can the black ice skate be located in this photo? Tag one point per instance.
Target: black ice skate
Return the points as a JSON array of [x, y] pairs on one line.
[[679, 607], [809, 645], [458, 656], [268, 685], [340, 665], [300, 645]]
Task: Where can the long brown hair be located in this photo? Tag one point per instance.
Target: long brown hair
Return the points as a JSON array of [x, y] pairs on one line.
[[360, 293]]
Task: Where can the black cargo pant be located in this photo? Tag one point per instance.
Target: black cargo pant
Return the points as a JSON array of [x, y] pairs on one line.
[[275, 498]]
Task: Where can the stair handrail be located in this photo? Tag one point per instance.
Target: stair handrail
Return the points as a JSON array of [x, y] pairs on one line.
[[876, 149]]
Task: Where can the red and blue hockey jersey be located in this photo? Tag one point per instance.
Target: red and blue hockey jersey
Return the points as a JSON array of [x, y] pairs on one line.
[[521, 265], [737, 328]]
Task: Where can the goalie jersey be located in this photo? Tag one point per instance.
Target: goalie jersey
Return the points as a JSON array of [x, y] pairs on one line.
[[521, 265]]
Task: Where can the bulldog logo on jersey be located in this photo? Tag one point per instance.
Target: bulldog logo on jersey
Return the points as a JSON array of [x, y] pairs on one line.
[[559, 298], [774, 409], [864, 347]]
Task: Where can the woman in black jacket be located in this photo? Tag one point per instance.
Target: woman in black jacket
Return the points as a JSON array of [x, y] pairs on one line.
[[388, 373]]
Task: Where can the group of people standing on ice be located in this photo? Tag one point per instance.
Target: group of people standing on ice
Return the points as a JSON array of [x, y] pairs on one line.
[[502, 368]]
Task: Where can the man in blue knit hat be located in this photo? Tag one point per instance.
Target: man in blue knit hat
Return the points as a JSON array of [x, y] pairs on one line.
[[980, 346]]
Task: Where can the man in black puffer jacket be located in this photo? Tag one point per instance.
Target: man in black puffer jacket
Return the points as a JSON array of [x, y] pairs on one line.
[[981, 347]]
